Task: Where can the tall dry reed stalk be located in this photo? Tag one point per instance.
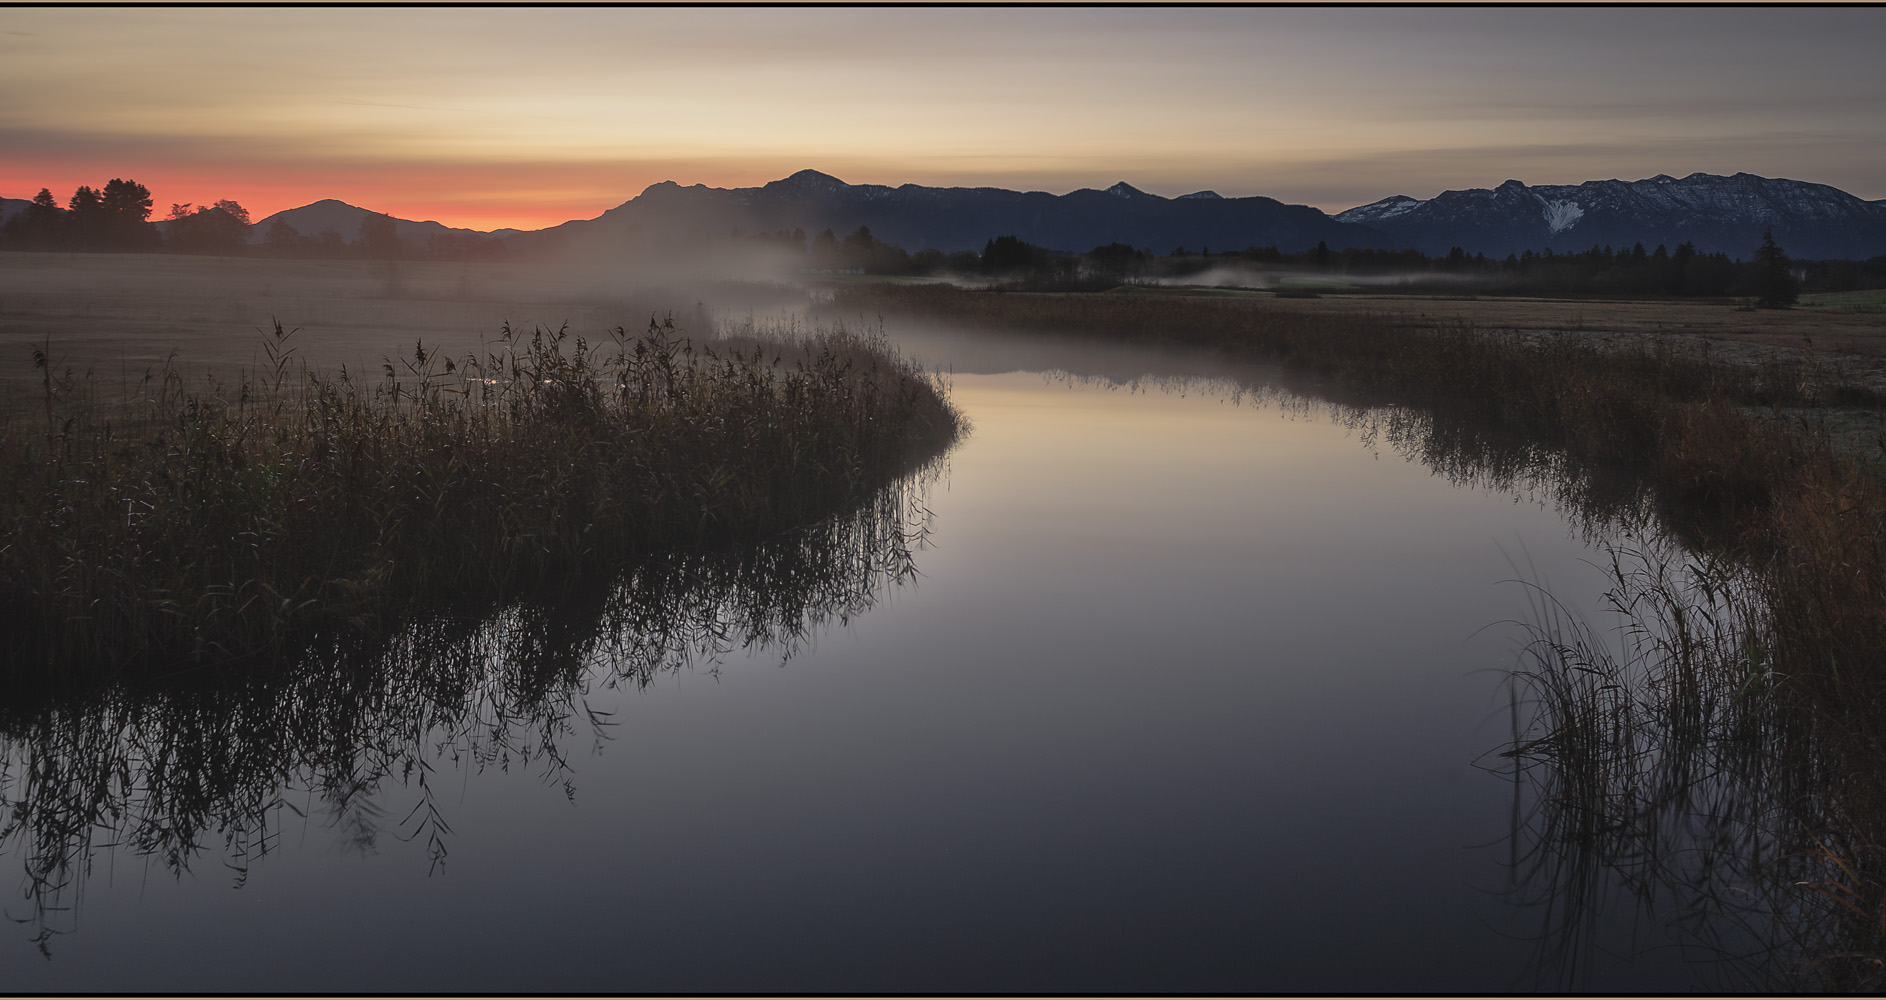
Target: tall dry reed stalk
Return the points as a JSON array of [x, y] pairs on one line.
[[210, 522]]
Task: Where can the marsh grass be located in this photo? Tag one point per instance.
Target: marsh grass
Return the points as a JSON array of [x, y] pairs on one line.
[[349, 734], [1668, 763], [208, 521]]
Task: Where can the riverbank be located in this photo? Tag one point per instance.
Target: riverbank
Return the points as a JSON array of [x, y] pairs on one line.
[[1766, 462], [1763, 458], [208, 521], [1756, 459]]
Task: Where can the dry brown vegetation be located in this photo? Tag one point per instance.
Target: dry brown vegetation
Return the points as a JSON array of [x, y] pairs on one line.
[[211, 521], [1834, 322]]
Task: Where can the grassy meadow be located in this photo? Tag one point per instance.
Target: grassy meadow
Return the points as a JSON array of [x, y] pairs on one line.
[[120, 315], [1847, 322]]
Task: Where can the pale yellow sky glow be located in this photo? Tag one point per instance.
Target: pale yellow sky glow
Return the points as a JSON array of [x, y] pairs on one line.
[[524, 117]]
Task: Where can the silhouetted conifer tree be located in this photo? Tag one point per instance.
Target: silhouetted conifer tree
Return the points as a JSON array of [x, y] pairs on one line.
[[284, 240], [127, 208], [1775, 287], [825, 251], [222, 228], [41, 227], [1008, 254], [379, 236], [85, 219]]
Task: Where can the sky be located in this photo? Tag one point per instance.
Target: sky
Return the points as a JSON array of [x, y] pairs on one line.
[[520, 117]]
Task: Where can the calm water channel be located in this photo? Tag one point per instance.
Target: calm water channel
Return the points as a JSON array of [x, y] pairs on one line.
[[1147, 686]]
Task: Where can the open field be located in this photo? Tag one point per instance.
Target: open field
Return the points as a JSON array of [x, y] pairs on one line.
[[1871, 300], [120, 314], [1845, 323]]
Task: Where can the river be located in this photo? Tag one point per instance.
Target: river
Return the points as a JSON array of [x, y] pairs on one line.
[[1169, 684]]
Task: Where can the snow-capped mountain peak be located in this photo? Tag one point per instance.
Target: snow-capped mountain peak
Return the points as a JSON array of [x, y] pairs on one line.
[[1716, 213], [1375, 211]]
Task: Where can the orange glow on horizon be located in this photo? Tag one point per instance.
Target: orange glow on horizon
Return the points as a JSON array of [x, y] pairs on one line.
[[481, 196], [476, 196], [512, 118], [485, 203]]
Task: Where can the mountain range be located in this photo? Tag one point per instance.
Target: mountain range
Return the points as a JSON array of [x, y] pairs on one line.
[[1716, 213], [1728, 214], [917, 217]]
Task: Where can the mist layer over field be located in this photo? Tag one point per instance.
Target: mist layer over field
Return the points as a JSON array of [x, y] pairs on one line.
[[119, 315]]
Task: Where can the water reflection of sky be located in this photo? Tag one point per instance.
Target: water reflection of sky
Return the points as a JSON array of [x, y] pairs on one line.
[[1188, 696]]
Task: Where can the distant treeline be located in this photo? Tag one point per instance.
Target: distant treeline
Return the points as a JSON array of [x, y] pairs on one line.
[[1768, 276], [117, 219]]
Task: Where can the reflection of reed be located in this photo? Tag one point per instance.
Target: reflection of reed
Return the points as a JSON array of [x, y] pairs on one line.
[[1680, 786], [1678, 783], [1678, 777], [171, 770]]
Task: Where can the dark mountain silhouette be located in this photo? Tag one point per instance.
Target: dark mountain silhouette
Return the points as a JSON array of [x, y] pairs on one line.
[[1716, 213], [917, 217], [10, 207], [310, 220]]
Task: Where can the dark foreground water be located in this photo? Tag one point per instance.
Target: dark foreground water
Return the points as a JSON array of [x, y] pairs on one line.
[[1146, 687]]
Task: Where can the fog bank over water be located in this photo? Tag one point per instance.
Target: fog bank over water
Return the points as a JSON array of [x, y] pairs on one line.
[[1272, 279]]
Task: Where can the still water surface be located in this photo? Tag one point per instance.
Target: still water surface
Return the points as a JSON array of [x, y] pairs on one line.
[[1189, 690]]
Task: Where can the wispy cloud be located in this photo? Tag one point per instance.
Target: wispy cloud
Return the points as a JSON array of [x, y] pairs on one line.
[[1303, 105]]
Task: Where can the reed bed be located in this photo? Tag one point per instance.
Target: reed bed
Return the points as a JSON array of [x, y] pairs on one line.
[[204, 522], [1666, 766]]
